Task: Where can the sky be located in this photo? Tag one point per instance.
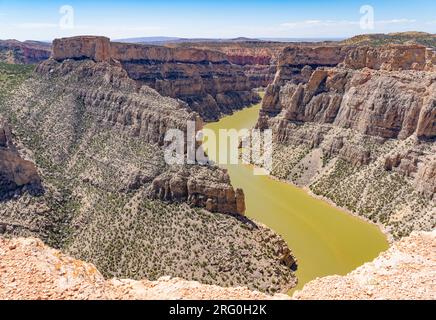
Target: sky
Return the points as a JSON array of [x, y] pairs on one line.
[[46, 20]]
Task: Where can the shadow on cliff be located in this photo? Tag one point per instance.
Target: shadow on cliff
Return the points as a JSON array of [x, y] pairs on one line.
[[10, 191]]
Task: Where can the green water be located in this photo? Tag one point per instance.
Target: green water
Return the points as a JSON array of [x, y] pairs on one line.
[[325, 240]]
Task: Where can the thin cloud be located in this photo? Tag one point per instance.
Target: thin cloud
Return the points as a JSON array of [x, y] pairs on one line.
[[318, 23], [339, 23], [395, 21], [36, 25]]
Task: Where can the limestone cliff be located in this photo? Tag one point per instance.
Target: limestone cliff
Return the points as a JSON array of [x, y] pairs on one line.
[[360, 134], [205, 79]]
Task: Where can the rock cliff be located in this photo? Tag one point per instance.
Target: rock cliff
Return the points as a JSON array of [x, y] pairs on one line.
[[367, 124], [205, 79]]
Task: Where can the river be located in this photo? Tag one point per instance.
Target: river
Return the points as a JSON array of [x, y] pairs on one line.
[[324, 239]]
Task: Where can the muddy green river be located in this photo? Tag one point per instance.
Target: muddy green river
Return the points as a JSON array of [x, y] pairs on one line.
[[325, 240]]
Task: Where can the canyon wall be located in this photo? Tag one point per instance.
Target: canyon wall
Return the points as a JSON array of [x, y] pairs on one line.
[[258, 59], [361, 133], [205, 79], [28, 52]]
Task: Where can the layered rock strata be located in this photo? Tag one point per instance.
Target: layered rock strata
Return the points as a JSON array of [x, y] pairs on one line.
[[258, 59]]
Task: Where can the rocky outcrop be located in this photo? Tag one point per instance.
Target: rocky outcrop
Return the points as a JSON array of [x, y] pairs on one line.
[[28, 52], [15, 172], [405, 272], [147, 115], [29, 270], [296, 65], [205, 79], [201, 188]]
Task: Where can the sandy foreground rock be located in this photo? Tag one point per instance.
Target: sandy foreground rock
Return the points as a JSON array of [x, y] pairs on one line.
[[406, 271], [31, 270]]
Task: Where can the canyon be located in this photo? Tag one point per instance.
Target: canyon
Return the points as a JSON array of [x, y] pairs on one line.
[[82, 143], [96, 139]]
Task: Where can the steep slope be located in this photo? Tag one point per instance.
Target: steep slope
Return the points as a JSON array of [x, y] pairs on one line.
[[96, 138], [406, 271], [360, 134], [30, 270]]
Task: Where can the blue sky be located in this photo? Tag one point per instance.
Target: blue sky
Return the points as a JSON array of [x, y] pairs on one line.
[[41, 20]]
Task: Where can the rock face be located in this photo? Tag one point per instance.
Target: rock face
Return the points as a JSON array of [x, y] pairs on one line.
[[296, 65], [95, 48], [15, 172], [29, 270], [405, 272], [371, 116], [201, 188], [206, 80], [28, 52]]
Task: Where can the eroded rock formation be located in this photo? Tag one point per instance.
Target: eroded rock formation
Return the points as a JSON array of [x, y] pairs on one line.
[[97, 138], [200, 187], [258, 59]]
